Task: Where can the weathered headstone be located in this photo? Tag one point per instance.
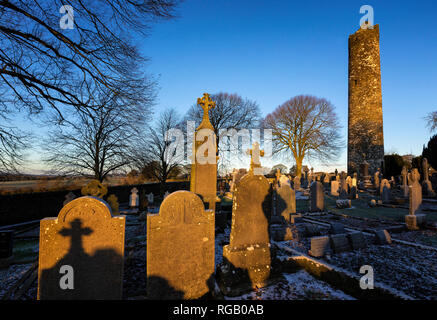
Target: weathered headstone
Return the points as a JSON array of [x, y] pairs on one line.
[[336, 228], [319, 246], [376, 177], [285, 200], [134, 199], [383, 184], [427, 190], [249, 247], [382, 237], [296, 183], [150, 198], [414, 220], [81, 253], [204, 160], [69, 197], [334, 188], [317, 197], [404, 181], [340, 243], [357, 240], [343, 203], [385, 196], [180, 248], [113, 203]]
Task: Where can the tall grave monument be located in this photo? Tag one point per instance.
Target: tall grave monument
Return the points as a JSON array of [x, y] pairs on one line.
[[204, 160]]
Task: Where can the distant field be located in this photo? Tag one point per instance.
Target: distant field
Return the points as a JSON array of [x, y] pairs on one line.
[[27, 186], [46, 185]]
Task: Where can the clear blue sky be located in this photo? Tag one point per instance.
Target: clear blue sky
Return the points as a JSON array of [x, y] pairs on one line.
[[270, 51]]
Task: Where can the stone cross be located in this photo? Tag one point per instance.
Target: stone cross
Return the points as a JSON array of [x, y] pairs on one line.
[[404, 181], [207, 104], [134, 200], [255, 162]]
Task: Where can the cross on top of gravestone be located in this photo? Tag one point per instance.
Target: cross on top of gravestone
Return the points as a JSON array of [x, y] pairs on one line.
[[255, 162], [207, 104], [95, 189]]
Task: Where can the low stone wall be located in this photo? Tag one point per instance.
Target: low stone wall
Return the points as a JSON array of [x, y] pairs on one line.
[[17, 208]]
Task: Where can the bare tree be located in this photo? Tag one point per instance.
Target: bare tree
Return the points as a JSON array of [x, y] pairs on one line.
[[12, 143], [230, 112], [42, 65], [431, 119], [306, 126], [101, 140], [163, 148]]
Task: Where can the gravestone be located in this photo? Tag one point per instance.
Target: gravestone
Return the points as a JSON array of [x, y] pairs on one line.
[[204, 159], [249, 247], [113, 203], [414, 220], [382, 237], [427, 190], [326, 180], [340, 243], [134, 199], [94, 189], [296, 183], [284, 180], [349, 183], [305, 180], [384, 183], [81, 253], [404, 181], [150, 198], [144, 203], [343, 203], [285, 200], [385, 195], [357, 240], [180, 248], [319, 246], [334, 188], [336, 228], [354, 193], [344, 192], [69, 197], [317, 197], [376, 177]]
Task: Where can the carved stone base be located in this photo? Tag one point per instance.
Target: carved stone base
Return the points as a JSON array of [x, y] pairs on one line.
[[254, 260], [414, 222]]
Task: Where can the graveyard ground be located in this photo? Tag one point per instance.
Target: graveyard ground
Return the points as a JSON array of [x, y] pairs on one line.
[[406, 266]]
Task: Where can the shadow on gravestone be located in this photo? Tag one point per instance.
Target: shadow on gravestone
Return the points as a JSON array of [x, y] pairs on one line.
[[180, 249], [96, 275], [92, 275], [248, 257]]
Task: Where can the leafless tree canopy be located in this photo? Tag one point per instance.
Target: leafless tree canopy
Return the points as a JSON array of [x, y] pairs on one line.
[[431, 119], [102, 140], [231, 112], [157, 155], [306, 126], [43, 65]]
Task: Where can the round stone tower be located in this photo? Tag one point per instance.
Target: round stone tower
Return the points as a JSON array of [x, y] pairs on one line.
[[365, 127]]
